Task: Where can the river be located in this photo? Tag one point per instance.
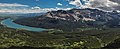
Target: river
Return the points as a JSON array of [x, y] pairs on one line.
[[9, 23]]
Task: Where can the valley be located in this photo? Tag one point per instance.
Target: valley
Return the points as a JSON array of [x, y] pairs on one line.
[[75, 33]]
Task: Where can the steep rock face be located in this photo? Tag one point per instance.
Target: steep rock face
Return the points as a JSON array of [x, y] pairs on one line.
[[72, 19], [83, 14], [70, 15]]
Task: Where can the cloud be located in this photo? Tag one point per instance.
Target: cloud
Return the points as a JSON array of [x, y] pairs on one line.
[[59, 4], [75, 2], [11, 5], [20, 8], [78, 3], [101, 4], [35, 9], [117, 1]]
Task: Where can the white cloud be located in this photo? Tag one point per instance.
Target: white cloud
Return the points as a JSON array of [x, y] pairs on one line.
[[94, 3], [59, 4], [101, 4], [36, 7], [75, 2], [9, 5], [20, 8], [30, 10]]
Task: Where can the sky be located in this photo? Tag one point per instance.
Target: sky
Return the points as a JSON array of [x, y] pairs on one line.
[[40, 3], [38, 6]]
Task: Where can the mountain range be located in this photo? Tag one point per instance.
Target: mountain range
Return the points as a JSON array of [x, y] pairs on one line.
[[73, 19]]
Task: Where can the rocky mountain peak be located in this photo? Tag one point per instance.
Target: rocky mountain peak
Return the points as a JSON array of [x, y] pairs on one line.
[[73, 14], [74, 18]]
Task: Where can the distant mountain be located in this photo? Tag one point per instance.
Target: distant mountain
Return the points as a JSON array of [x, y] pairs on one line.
[[20, 14], [74, 18]]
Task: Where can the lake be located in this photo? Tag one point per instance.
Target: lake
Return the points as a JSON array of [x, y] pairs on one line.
[[9, 23]]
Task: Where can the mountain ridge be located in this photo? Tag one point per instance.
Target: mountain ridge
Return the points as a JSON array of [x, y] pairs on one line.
[[72, 19]]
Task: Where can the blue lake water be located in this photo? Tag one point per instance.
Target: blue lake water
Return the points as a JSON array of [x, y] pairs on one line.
[[9, 23]]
